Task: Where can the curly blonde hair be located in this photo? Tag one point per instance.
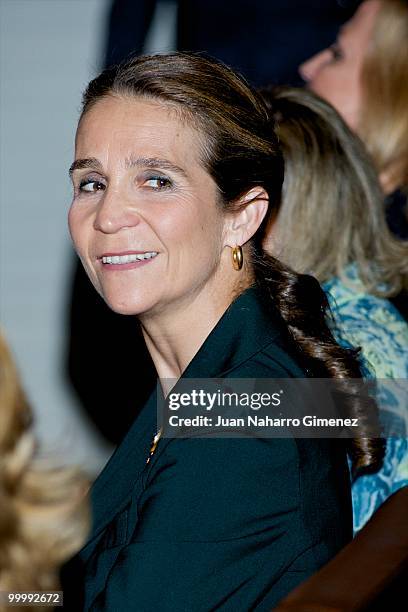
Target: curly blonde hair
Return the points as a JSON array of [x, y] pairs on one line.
[[44, 515]]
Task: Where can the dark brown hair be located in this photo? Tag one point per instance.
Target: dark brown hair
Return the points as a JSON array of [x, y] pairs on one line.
[[240, 150]]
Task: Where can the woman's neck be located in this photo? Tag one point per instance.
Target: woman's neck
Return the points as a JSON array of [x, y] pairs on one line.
[[175, 335]]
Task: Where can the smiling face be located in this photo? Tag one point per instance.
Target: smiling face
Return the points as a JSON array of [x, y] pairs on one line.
[[144, 218], [335, 73]]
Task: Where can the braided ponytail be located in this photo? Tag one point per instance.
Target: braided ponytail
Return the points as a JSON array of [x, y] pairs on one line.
[[304, 307]]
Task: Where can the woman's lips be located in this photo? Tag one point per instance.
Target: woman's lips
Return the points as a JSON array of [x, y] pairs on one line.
[[126, 260]]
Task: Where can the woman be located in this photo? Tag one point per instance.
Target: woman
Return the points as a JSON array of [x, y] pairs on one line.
[[43, 511], [364, 76], [331, 211], [175, 167]]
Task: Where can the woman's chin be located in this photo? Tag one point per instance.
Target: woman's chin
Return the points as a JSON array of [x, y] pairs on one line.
[[129, 307]]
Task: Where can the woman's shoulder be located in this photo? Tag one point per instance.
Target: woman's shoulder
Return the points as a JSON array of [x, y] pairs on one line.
[[372, 323], [350, 291], [277, 359]]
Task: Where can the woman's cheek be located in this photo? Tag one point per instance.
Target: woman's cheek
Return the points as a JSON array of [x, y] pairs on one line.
[[77, 228]]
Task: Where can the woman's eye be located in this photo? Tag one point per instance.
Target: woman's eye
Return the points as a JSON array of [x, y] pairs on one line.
[[91, 186], [336, 52], [158, 182]]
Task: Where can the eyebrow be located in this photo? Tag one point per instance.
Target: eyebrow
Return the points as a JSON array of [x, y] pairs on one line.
[[153, 162], [87, 162], [130, 162]]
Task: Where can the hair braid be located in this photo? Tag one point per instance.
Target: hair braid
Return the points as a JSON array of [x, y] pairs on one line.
[[304, 307]]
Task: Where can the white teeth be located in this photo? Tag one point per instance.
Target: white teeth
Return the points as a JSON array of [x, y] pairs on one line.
[[123, 259]]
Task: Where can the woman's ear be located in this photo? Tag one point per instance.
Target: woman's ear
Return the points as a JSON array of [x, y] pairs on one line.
[[242, 224]]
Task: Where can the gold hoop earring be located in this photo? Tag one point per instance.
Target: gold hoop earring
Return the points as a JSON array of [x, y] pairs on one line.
[[237, 258]]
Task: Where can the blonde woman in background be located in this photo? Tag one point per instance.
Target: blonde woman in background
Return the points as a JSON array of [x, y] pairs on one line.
[[331, 224], [43, 511], [364, 76]]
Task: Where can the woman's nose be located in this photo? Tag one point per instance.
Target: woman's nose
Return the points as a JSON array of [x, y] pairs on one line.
[[114, 213], [310, 68]]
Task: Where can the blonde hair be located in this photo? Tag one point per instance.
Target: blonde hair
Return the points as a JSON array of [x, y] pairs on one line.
[[332, 211], [383, 125], [43, 511]]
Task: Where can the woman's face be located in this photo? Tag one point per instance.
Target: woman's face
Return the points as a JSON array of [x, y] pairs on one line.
[[144, 217], [335, 73]]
